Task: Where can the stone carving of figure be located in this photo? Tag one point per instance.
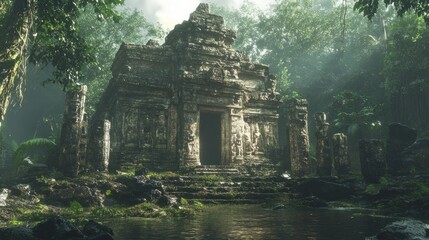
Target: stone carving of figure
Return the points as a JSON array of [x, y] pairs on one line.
[[269, 136], [248, 149], [256, 139], [238, 145], [191, 145], [146, 131], [160, 131]]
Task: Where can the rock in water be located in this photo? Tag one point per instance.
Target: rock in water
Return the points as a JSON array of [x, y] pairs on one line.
[[324, 190], [404, 230], [96, 230], [17, 234], [55, 228]]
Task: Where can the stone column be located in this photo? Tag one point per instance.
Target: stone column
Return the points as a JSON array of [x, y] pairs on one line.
[[71, 149], [298, 137], [100, 146], [340, 155], [324, 162], [372, 159]]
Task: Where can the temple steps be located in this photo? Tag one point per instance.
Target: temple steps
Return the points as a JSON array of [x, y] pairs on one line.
[[227, 189], [216, 169]]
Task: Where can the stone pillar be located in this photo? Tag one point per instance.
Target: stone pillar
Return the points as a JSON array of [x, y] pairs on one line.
[[400, 137], [105, 147], [71, 149], [372, 159], [340, 155], [298, 137], [83, 142], [100, 146], [324, 162]]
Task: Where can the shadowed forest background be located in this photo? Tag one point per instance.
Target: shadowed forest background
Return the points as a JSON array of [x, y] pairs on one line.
[[364, 74]]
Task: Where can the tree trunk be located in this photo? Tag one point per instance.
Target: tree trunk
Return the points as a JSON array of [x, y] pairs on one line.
[[13, 48]]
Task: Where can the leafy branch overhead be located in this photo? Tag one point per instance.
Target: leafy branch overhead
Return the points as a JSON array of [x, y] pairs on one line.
[[370, 7], [56, 38], [46, 33]]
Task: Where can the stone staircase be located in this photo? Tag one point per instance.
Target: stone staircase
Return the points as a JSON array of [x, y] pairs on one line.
[[228, 188], [216, 170]]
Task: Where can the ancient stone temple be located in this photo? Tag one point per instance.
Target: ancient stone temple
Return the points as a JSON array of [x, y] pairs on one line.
[[191, 101]]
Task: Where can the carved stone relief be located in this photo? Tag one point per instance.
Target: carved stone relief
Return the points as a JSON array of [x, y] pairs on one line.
[[298, 137]]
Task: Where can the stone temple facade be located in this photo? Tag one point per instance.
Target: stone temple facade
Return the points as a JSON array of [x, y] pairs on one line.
[[191, 101]]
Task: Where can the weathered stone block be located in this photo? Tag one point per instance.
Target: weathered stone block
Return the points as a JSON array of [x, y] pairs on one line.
[[323, 155], [340, 155], [372, 159]]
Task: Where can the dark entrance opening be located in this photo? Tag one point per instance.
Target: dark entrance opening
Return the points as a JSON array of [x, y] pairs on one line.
[[210, 138]]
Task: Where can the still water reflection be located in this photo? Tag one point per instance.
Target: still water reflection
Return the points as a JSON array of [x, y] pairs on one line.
[[253, 222]]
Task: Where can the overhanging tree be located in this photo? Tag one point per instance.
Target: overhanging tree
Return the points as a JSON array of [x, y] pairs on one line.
[[44, 31], [370, 7]]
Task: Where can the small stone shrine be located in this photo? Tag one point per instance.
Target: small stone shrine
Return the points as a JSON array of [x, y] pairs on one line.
[[191, 101]]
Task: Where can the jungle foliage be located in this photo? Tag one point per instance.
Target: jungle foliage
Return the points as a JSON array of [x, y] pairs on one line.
[[364, 73]]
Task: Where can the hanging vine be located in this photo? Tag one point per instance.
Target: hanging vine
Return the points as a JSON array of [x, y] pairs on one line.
[[14, 50]]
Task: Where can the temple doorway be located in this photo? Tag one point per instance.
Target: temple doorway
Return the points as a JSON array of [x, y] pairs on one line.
[[210, 138]]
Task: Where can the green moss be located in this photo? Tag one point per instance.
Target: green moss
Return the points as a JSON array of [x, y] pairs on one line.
[[163, 175], [373, 189], [211, 178]]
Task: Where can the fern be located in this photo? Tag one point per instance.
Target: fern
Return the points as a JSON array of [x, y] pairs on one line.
[[22, 152]]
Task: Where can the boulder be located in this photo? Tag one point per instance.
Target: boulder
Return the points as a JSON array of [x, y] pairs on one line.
[[18, 233], [55, 228], [139, 189], [166, 201], [314, 202], [416, 157], [399, 138], [22, 190], [324, 189], [141, 171], [98, 231], [404, 230], [4, 194], [86, 196]]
